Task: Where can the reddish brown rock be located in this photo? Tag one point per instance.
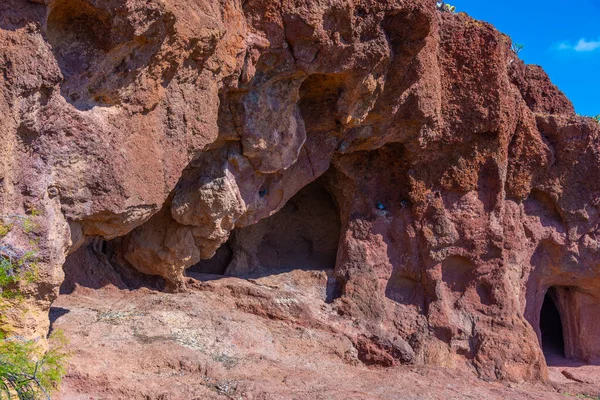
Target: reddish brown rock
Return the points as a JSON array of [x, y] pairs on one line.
[[266, 339], [455, 187]]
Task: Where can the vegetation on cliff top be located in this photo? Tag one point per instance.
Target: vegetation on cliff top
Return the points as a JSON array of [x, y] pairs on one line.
[[594, 117], [443, 6]]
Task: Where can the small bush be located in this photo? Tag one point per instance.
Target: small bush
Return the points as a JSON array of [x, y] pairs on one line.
[[16, 267], [443, 6], [4, 229], [29, 226], [594, 117], [517, 48], [27, 372], [25, 222], [34, 212]]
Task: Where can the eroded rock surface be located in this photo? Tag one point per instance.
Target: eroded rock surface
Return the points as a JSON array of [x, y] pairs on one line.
[[268, 339], [158, 135]]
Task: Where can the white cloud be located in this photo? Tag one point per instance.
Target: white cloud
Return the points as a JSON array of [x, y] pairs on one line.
[[564, 46], [582, 46]]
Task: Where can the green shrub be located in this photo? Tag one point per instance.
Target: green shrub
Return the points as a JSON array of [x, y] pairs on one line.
[[517, 48], [25, 222], [443, 6], [28, 225], [16, 267], [594, 117], [27, 372], [4, 229], [34, 212]]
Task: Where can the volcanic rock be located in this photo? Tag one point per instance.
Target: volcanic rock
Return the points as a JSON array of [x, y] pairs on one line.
[[434, 187]]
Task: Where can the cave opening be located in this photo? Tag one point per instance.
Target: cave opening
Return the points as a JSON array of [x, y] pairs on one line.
[[551, 327], [301, 237], [296, 248], [97, 263]]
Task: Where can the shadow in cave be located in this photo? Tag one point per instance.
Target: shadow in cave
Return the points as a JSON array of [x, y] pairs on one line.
[[302, 237], [553, 343], [94, 266], [561, 332]]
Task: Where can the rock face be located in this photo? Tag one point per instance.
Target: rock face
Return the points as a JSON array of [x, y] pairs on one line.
[[441, 186]]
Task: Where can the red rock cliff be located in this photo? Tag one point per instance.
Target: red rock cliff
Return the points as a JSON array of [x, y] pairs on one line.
[[454, 185]]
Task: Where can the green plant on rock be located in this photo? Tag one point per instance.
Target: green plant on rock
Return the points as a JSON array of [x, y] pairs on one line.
[[25, 222], [28, 225], [26, 372], [443, 6], [4, 229], [34, 212], [16, 267], [594, 117], [517, 48]]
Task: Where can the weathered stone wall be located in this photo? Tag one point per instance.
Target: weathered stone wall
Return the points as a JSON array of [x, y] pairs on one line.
[[466, 186]]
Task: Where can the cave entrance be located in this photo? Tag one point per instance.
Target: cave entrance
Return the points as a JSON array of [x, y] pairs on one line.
[[302, 236], [97, 263], [551, 327], [568, 327]]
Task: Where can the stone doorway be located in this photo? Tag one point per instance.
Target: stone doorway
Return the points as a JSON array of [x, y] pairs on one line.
[[568, 328], [551, 327]]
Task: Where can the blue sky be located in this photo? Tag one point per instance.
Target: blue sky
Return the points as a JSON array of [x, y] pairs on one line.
[[563, 37]]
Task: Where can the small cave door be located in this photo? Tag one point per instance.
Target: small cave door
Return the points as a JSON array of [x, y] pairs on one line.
[[551, 327]]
